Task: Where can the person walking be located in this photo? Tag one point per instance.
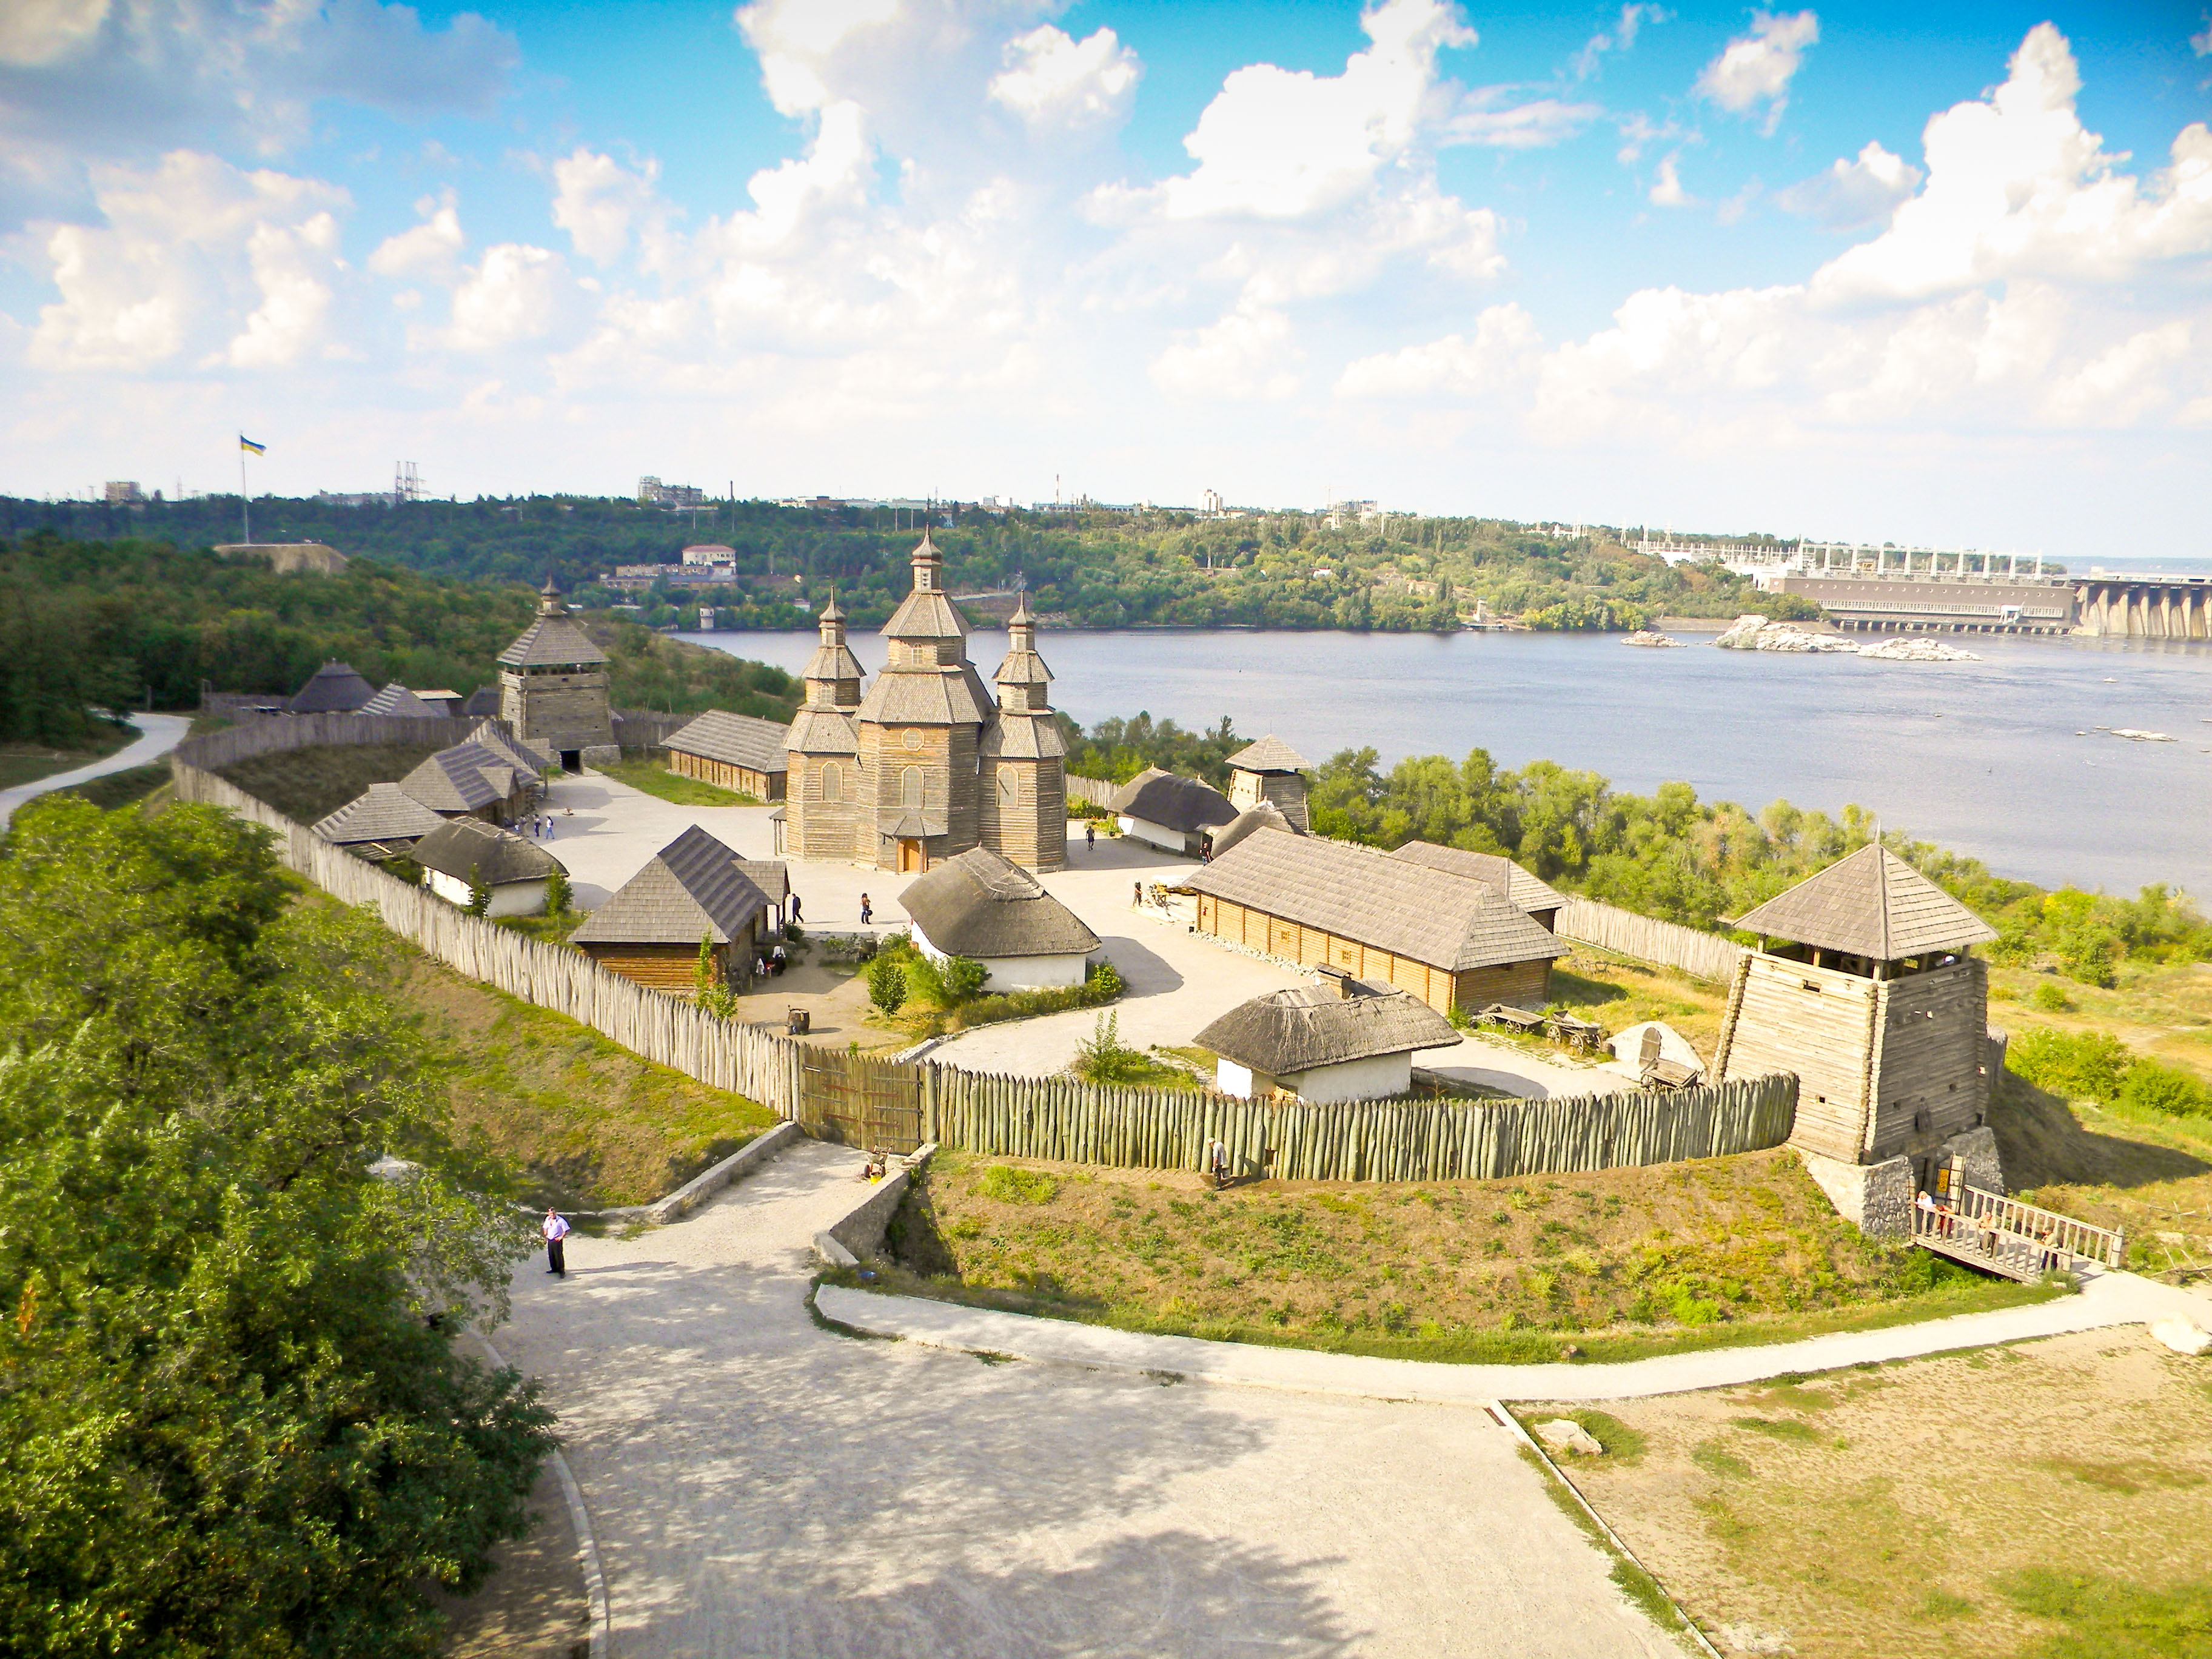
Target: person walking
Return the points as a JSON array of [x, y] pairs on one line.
[[556, 1228], [794, 909], [1090, 834], [867, 912]]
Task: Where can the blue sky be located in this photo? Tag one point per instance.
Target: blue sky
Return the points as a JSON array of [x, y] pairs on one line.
[[1841, 270]]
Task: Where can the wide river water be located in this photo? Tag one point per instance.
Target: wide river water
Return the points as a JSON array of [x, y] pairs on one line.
[[1983, 758]]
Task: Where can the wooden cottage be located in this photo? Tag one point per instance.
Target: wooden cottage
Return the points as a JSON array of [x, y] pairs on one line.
[[733, 751], [382, 823], [1864, 989], [470, 781], [1451, 941], [461, 851], [1270, 770], [1349, 1041], [694, 888], [983, 904], [1499, 874], [1171, 812]]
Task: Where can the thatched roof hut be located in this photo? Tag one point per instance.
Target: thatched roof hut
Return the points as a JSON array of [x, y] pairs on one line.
[[462, 847], [1309, 1025], [335, 688], [983, 904]]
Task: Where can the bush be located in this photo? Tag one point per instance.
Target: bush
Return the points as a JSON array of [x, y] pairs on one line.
[[2153, 1087], [963, 979], [2086, 1066], [479, 892], [1101, 982], [794, 933], [1102, 1057], [1012, 1186], [1100, 985], [887, 982], [2051, 998], [558, 894]]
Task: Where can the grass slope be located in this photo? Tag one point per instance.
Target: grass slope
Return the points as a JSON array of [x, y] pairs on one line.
[[654, 779], [27, 763], [590, 1124], [1617, 1263], [308, 784]]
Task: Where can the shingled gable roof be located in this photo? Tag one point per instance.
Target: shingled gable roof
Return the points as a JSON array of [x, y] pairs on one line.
[[1286, 1032], [463, 779], [525, 755], [1871, 904], [1494, 870], [1270, 754], [1265, 816], [1425, 915], [396, 700], [467, 847], [982, 904], [1172, 801], [734, 739], [553, 639], [335, 688], [384, 812], [694, 885]]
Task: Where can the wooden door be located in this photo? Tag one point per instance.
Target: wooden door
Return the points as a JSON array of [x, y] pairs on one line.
[[854, 1101], [909, 858]]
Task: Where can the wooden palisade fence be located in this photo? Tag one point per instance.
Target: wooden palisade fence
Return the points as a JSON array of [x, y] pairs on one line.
[[1055, 1118], [1702, 956]]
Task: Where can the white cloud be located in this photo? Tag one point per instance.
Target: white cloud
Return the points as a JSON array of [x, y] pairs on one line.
[[1849, 195], [2017, 188], [1620, 37], [290, 267], [1052, 80], [516, 294], [1755, 69], [36, 33], [1502, 354], [2203, 43], [1248, 354], [1667, 187], [1535, 124], [429, 250], [597, 200]]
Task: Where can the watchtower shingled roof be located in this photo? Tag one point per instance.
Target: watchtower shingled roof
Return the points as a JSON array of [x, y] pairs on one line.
[[1871, 904], [554, 639]]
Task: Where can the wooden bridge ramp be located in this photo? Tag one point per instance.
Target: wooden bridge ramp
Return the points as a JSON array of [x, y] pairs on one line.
[[2012, 1240]]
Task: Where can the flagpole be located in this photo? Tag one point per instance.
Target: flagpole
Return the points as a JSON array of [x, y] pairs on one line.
[[245, 502]]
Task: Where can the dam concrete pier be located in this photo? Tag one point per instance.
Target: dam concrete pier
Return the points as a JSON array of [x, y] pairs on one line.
[[2146, 607]]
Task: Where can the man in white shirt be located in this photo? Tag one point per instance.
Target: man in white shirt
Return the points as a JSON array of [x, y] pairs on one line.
[[555, 1228]]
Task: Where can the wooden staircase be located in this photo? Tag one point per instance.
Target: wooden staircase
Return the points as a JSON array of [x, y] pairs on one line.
[[2016, 1241]]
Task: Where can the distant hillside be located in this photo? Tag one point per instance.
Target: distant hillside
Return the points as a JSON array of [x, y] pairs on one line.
[[1096, 569]]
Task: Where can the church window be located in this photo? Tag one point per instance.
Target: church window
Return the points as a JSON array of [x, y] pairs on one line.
[[912, 738], [833, 782], [910, 786], [1006, 789]]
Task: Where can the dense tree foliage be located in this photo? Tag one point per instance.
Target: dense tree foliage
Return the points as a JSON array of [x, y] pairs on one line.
[[1117, 749], [118, 624], [1096, 569], [233, 1419]]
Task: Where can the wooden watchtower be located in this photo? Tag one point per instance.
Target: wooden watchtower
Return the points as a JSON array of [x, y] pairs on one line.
[[1864, 988]]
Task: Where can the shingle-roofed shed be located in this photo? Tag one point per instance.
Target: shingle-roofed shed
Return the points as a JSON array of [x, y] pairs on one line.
[[1449, 941], [515, 868], [1323, 1044], [470, 779], [735, 751], [650, 930], [384, 815], [1499, 874]]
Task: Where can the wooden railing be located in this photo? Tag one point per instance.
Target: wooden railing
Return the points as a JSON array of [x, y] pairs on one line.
[[2016, 1239]]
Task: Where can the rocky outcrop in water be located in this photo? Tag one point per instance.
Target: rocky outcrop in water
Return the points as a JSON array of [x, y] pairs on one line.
[[1758, 634], [1917, 651]]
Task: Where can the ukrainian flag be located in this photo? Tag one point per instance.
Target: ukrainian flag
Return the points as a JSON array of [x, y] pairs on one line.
[[250, 446]]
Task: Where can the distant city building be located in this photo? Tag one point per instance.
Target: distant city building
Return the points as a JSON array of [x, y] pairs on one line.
[[637, 577], [651, 492], [710, 553], [123, 492], [356, 498]]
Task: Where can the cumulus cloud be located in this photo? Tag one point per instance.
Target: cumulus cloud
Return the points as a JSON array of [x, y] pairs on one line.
[[1246, 354], [1052, 80], [1755, 70], [1501, 353], [597, 200], [87, 81], [516, 294], [1851, 195], [1619, 38], [430, 249], [1667, 186]]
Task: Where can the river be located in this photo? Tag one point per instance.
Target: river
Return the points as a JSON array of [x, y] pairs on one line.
[[1981, 758]]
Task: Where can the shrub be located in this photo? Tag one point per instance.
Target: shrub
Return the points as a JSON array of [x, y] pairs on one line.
[[1101, 982], [558, 894], [711, 993], [479, 892], [2157, 1088], [2084, 1066], [925, 981], [794, 933], [1012, 1186], [964, 978], [887, 982], [1104, 1058], [2051, 998]]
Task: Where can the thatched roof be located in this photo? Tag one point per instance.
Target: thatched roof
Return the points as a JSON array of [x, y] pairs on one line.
[[1500, 874], [1286, 1032], [1426, 915], [1270, 754], [1871, 904], [743, 740], [467, 777], [981, 905], [554, 640], [1172, 801], [1265, 816], [396, 700], [694, 885], [384, 813], [334, 688], [462, 847]]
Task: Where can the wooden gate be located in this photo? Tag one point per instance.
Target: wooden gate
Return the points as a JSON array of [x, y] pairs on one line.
[[855, 1101]]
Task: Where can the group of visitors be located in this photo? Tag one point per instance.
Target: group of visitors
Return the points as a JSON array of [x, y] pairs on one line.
[[1941, 1218], [538, 823]]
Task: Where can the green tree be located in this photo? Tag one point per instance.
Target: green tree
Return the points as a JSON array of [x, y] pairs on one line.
[[711, 991], [479, 891], [233, 1419], [963, 979], [887, 982], [559, 896], [1102, 1057]]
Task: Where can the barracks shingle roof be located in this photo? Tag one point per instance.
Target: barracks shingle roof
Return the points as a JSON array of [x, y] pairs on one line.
[[694, 885], [465, 778], [385, 812], [1870, 905], [1495, 870], [734, 739], [396, 700], [1265, 816], [1443, 921]]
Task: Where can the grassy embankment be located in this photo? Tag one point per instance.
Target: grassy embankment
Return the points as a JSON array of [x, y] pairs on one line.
[[589, 1124], [2047, 1500], [309, 784], [653, 778]]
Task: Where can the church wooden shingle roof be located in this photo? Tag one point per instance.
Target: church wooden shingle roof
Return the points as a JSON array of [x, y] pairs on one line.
[[1426, 915], [694, 886], [981, 905], [335, 688], [463, 848], [1172, 801], [1270, 754], [1307, 1025], [1499, 873], [384, 812], [1872, 905], [743, 740]]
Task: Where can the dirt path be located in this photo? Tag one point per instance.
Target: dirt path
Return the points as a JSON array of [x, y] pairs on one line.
[[157, 735], [761, 1485]]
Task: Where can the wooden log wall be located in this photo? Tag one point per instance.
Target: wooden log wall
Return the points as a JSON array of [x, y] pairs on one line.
[[1929, 1069], [1313, 947], [727, 774], [1702, 956], [1819, 1023], [217, 750]]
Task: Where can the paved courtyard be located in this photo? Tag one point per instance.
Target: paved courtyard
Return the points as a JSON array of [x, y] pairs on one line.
[[760, 1486], [1179, 982]]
